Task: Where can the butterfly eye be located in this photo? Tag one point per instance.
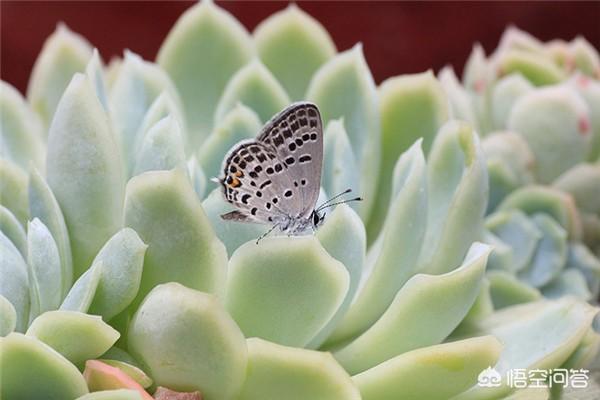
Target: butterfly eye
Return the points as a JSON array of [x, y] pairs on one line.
[[316, 219]]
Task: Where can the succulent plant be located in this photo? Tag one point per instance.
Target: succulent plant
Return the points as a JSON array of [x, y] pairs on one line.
[[118, 276], [537, 106]]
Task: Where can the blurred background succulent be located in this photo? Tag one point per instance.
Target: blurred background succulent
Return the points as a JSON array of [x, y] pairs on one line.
[[537, 107], [480, 196]]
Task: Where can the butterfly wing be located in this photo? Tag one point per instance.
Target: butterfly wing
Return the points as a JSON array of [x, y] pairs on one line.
[[296, 135], [277, 176], [253, 178]]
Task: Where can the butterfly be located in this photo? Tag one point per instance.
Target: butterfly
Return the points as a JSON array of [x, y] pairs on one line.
[[275, 178]]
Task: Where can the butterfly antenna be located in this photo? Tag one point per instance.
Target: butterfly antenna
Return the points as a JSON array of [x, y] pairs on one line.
[[334, 197], [324, 206], [265, 234]]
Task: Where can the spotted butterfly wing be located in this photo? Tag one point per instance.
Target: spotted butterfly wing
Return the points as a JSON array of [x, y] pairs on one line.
[[277, 175]]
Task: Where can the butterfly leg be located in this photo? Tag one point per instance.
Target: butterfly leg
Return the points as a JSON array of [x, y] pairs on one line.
[[265, 234]]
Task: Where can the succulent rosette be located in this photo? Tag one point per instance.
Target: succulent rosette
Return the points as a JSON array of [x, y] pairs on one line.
[[537, 107], [118, 276]]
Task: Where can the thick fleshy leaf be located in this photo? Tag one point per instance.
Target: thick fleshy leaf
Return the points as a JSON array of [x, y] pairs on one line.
[[457, 197], [585, 352], [84, 171], [30, 369], [285, 290], [514, 38], [344, 88], [197, 177], [401, 239], [164, 105], [504, 95], [117, 354], [482, 307], [131, 370], [551, 253], [529, 393], [95, 73], [45, 290], [77, 336], [582, 259], [256, 87], [343, 236], [589, 89], [424, 312], [549, 119], [585, 57], [502, 255], [461, 103], [570, 282], [510, 164], [453, 367], [506, 290], [21, 133], [134, 91], [189, 342], [12, 228], [519, 232], [538, 69], [117, 394], [162, 148], [540, 335], [8, 317], [340, 167], [100, 377], [64, 53], [13, 186], [122, 259], [277, 372], [43, 205], [204, 48], [583, 183], [232, 234], [558, 50], [14, 285], [239, 124], [477, 73], [162, 207], [83, 290], [534, 199], [293, 45]]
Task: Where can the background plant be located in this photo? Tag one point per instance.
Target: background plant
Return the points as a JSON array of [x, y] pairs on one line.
[[107, 211]]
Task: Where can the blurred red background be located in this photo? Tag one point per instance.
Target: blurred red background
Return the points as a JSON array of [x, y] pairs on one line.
[[398, 37]]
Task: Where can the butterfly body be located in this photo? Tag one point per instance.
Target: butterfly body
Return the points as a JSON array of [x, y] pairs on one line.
[[275, 178]]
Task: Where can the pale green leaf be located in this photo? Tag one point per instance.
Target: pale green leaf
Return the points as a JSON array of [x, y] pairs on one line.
[[424, 312], [293, 45], [43, 205], [189, 342], [77, 336], [162, 207], [256, 87], [85, 171], [432, 373], [43, 261], [285, 290], [21, 133], [64, 53], [31, 369], [201, 53], [277, 372]]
